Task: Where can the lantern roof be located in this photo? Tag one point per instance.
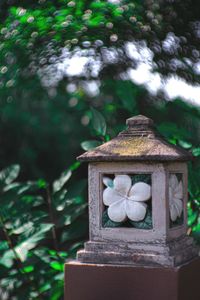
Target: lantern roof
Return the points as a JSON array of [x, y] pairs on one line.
[[139, 142]]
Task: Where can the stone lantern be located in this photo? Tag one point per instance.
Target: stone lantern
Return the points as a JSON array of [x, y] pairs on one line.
[[137, 205]]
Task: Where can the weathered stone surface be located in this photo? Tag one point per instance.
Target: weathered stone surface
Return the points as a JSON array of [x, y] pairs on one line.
[[169, 254], [139, 142], [138, 150], [161, 245], [160, 204]]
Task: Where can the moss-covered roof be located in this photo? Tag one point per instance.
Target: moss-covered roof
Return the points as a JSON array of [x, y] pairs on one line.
[[139, 142]]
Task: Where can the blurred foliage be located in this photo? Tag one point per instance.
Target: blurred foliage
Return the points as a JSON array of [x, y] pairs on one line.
[[42, 224], [47, 116], [38, 31], [38, 222]]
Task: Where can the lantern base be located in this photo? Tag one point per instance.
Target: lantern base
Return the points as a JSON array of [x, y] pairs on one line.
[[95, 281], [168, 254]]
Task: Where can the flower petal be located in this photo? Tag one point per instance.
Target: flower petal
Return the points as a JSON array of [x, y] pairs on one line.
[[173, 213], [135, 211], [179, 206], [111, 196], [122, 184], [140, 191], [116, 211], [173, 181], [178, 191]]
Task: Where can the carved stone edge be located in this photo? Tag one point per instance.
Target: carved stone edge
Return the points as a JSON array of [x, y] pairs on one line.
[[144, 259], [168, 255]]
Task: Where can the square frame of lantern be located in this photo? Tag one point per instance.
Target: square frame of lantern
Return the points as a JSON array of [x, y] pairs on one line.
[[159, 172]]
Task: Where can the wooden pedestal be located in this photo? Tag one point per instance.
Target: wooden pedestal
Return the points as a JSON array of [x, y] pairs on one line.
[[107, 282]]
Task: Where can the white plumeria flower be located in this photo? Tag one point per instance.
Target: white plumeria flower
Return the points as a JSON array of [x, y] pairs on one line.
[[125, 200], [175, 197]]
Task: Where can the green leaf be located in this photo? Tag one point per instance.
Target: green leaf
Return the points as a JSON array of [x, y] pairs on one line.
[[89, 145], [56, 266], [108, 223], [59, 183], [34, 200], [192, 216], [47, 286], [59, 276], [145, 224], [94, 22], [42, 254], [74, 166], [20, 188], [56, 293], [4, 245], [24, 227], [98, 122], [197, 228], [28, 269], [141, 178], [77, 212], [7, 259], [31, 242], [9, 174], [52, 252], [42, 183], [196, 151], [185, 144], [23, 248]]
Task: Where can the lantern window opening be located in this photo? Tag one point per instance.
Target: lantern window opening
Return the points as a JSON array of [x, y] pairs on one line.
[[127, 200], [176, 200]]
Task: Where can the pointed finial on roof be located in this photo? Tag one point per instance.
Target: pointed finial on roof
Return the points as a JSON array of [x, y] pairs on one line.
[[139, 120], [139, 126]]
